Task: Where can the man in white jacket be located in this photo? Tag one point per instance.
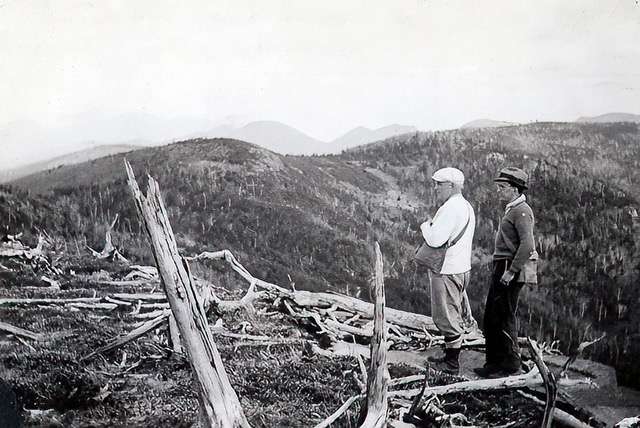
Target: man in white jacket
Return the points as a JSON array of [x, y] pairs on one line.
[[448, 286]]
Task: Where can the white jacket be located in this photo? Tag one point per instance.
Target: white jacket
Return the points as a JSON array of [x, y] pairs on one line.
[[445, 226]]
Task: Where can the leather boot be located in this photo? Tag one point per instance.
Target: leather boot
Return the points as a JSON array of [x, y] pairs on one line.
[[449, 363]]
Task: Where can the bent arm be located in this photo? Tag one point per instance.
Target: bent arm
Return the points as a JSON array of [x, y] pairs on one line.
[[439, 230], [524, 226]]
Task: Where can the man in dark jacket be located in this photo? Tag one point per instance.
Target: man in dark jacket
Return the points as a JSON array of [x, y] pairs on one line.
[[514, 248]]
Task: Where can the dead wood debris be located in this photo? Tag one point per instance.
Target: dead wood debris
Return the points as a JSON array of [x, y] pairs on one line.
[[11, 248], [109, 251], [19, 332], [336, 318]]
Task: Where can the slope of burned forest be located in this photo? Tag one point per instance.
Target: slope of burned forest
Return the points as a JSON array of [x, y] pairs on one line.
[[310, 221]]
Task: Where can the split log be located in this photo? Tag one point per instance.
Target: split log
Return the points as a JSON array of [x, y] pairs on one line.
[[550, 384], [377, 383], [19, 332], [219, 404]]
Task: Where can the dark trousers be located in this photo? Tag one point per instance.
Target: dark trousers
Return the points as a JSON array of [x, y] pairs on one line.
[[500, 324]]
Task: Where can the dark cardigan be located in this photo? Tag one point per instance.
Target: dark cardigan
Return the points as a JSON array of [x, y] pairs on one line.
[[514, 240]]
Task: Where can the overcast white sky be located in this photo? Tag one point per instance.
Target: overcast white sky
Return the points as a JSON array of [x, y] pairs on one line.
[[75, 70]]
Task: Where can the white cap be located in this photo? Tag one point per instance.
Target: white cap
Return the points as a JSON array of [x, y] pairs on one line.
[[451, 175]]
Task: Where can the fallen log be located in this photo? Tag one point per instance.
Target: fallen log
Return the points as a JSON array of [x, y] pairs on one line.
[[550, 384], [140, 296], [145, 272], [628, 422], [322, 300], [132, 335], [564, 418], [336, 415], [405, 319], [18, 301], [19, 332], [132, 283], [527, 380], [82, 305]]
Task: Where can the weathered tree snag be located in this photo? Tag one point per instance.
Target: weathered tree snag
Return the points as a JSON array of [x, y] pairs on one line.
[[219, 404], [550, 384], [574, 356], [109, 250], [377, 380]]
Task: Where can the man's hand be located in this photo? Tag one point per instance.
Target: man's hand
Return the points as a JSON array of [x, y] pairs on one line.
[[427, 222], [507, 277]]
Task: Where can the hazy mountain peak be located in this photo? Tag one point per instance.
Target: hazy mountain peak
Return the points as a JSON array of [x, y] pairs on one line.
[[362, 135], [68, 159], [610, 117], [486, 123]]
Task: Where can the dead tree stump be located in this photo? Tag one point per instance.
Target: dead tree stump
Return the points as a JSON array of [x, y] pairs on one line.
[[219, 404], [377, 379]]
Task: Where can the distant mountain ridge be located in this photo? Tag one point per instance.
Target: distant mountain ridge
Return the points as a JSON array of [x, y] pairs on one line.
[[272, 135], [610, 117], [486, 123], [68, 159], [361, 135], [284, 139]]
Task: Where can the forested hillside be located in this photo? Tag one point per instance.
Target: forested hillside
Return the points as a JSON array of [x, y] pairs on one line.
[[311, 220]]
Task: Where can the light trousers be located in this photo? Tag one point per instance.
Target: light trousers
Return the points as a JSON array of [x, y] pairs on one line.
[[450, 308]]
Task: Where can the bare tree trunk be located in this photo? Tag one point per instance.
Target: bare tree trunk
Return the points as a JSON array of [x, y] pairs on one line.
[[219, 404], [377, 380], [174, 336]]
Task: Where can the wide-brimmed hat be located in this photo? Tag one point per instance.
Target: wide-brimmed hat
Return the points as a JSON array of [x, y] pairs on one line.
[[513, 176], [451, 175]]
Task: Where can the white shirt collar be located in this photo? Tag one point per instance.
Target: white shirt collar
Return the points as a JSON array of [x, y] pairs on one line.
[[520, 199]]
